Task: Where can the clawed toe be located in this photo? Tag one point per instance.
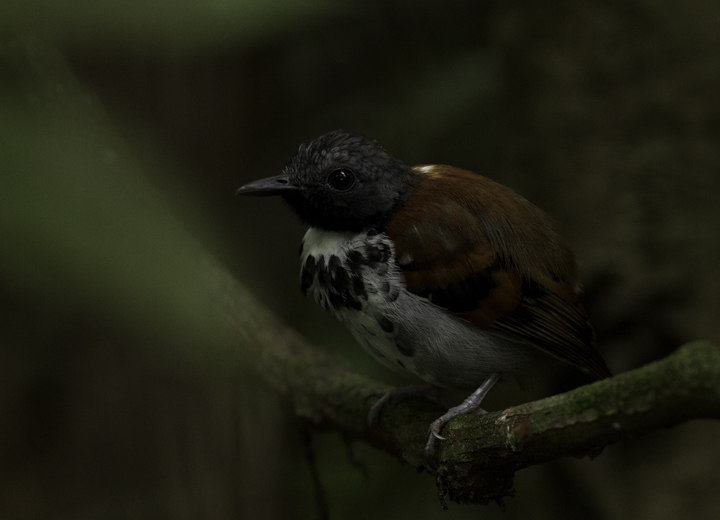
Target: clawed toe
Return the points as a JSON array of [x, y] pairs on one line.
[[433, 437], [430, 450], [376, 409], [436, 427], [470, 405]]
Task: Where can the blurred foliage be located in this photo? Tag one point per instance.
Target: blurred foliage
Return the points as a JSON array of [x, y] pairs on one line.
[[127, 126], [83, 231], [161, 26]]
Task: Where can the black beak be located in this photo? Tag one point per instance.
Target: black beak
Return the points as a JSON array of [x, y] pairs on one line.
[[265, 187]]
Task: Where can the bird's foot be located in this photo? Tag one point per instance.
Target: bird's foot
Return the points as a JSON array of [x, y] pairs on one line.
[[431, 393], [438, 424], [469, 405]]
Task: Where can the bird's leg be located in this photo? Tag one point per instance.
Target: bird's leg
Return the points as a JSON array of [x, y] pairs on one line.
[[431, 393], [471, 404]]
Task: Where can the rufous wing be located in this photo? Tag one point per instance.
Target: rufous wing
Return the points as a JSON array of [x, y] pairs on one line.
[[488, 255]]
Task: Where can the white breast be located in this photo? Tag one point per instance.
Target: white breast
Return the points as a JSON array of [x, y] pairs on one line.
[[318, 243], [357, 278]]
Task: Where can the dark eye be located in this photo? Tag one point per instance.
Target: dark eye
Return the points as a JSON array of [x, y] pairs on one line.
[[341, 180]]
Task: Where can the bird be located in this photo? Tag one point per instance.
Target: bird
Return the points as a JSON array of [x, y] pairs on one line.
[[439, 273]]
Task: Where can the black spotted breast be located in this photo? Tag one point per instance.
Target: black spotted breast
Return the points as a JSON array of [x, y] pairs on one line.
[[357, 277]]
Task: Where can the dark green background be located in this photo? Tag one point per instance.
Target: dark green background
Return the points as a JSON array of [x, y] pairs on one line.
[[125, 129]]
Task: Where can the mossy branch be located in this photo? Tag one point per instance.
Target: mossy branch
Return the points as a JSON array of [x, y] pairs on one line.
[[478, 460]]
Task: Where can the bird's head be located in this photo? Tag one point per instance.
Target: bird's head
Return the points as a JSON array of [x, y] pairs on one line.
[[340, 182]]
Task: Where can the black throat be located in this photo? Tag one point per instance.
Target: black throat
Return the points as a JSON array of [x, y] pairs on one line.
[[375, 183]]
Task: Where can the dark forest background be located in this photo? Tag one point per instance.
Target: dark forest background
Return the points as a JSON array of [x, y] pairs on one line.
[[125, 129]]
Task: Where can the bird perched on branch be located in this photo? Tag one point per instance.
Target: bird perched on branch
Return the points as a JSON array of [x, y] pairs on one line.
[[438, 272]]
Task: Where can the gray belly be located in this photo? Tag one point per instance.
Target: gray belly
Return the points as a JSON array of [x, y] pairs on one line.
[[358, 279]]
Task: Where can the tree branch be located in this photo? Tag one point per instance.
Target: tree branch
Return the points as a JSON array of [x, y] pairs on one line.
[[481, 454]]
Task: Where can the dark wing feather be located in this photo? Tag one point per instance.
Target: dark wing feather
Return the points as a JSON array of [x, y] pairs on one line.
[[555, 326], [464, 251]]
